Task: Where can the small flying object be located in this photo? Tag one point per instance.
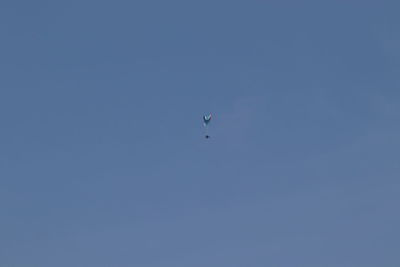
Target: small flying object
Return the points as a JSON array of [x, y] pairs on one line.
[[206, 121]]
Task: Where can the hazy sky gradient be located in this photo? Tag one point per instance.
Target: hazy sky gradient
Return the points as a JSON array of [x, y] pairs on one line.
[[103, 160]]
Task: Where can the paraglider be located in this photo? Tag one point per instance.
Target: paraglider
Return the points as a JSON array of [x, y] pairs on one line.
[[206, 121]]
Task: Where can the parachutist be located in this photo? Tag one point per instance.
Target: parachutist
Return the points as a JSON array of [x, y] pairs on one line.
[[206, 121]]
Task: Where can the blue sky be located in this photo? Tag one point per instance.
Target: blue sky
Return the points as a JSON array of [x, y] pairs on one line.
[[103, 160]]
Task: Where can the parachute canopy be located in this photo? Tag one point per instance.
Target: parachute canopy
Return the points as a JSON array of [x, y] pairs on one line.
[[206, 119]]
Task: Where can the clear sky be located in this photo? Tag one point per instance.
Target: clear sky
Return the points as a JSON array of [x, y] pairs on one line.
[[103, 160]]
